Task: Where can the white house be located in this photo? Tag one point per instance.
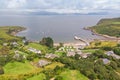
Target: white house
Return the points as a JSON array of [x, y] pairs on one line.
[[111, 53]]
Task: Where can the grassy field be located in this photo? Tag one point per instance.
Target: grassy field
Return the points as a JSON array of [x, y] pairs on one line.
[[88, 50], [41, 76], [22, 53], [98, 44], [18, 68], [53, 65], [72, 75], [37, 46]]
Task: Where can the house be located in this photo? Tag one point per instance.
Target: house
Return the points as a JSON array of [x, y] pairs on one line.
[[15, 44], [16, 56], [61, 49], [71, 53], [51, 56], [34, 50], [111, 53], [5, 44], [38, 51], [42, 63], [85, 55], [106, 61]]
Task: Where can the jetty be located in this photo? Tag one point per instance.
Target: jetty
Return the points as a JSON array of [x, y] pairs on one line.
[[82, 40]]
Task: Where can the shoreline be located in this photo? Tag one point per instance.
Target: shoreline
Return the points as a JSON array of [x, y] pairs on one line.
[[76, 42], [14, 33], [107, 37]]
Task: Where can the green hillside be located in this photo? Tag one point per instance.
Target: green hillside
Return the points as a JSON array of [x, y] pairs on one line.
[[110, 27], [7, 32]]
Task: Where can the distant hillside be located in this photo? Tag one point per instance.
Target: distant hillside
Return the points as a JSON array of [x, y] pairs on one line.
[[110, 27], [7, 32]]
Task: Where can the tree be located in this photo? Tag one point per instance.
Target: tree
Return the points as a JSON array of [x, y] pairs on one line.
[[107, 48], [1, 70], [61, 44], [26, 43], [47, 41], [77, 56], [113, 65], [99, 53], [97, 43], [116, 51], [59, 78]]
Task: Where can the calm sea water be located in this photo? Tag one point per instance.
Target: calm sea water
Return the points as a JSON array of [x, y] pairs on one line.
[[61, 28]]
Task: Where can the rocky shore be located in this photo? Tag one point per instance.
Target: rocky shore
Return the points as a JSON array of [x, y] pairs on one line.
[[107, 37]]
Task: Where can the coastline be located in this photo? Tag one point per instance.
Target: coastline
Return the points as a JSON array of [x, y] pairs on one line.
[[15, 32], [107, 37], [73, 43]]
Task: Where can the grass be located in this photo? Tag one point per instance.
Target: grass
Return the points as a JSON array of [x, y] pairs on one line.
[[53, 65], [98, 44], [116, 23], [88, 50], [37, 46], [5, 29], [59, 53], [72, 75], [41, 76], [22, 68], [18, 68], [22, 53]]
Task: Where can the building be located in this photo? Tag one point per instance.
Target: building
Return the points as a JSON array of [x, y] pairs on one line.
[[111, 53], [106, 61], [51, 56], [42, 63], [71, 53], [34, 50]]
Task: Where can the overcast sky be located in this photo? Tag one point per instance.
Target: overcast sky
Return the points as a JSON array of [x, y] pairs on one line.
[[61, 5]]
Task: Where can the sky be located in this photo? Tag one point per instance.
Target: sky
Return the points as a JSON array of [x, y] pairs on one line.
[[61, 6]]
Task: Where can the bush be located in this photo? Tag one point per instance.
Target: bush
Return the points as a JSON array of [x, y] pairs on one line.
[[116, 51], [1, 70], [107, 48]]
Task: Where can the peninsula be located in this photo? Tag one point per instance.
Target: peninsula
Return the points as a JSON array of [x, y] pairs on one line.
[[109, 28]]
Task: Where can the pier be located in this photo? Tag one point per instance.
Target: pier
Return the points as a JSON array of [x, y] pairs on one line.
[[82, 40]]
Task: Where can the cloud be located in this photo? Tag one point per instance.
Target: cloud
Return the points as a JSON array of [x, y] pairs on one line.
[[16, 4], [60, 5]]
